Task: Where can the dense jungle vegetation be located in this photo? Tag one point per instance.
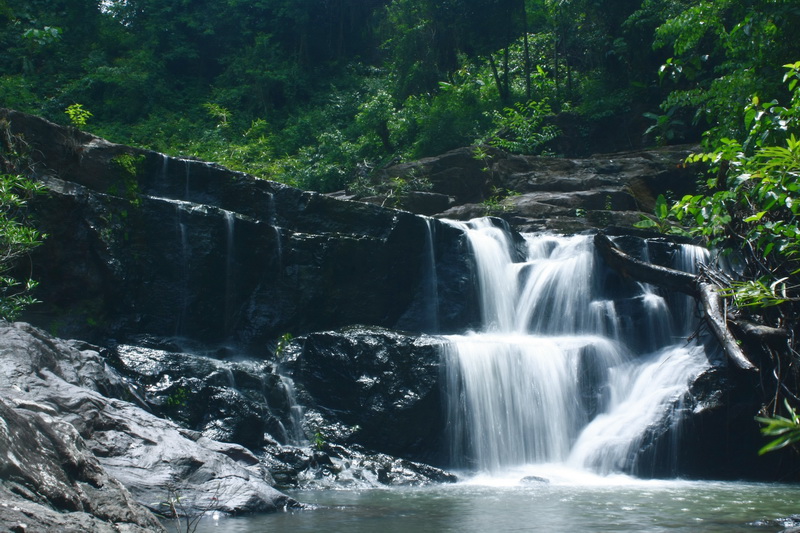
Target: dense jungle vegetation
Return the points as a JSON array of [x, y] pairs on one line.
[[318, 93]]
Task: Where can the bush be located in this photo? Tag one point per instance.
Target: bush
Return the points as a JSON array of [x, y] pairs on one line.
[[16, 240]]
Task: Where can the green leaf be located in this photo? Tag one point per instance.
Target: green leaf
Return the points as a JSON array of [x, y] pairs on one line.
[[661, 210], [645, 223], [755, 218]]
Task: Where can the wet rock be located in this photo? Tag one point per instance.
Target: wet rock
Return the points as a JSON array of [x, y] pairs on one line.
[[457, 174], [534, 480], [50, 481], [187, 248], [382, 384], [562, 194], [331, 466], [238, 400], [108, 442], [790, 524], [426, 203]]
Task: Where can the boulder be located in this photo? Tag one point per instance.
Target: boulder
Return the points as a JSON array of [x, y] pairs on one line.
[[50, 481], [382, 386], [551, 193], [102, 444], [332, 466], [220, 395]]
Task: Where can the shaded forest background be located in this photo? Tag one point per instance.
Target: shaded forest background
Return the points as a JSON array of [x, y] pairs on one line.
[[318, 93]]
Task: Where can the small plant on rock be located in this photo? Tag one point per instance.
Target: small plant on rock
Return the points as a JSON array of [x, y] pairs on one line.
[[78, 116]]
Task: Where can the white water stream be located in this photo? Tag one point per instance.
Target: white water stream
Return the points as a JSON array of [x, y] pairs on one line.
[[556, 374]]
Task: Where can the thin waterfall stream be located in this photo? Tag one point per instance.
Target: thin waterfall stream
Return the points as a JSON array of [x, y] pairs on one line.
[[554, 375]]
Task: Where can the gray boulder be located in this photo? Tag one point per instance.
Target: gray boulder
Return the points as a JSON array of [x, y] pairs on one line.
[[51, 392], [52, 482]]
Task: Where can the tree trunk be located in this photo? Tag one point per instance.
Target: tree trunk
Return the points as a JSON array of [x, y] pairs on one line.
[[496, 76]]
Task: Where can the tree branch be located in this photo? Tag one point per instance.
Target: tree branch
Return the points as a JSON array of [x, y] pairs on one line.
[[676, 280]]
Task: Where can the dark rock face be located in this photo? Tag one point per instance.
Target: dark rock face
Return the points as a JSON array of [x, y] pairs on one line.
[[231, 400], [72, 449], [378, 388], [181, 247]]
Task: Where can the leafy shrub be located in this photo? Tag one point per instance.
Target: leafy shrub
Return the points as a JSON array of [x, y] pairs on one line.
[[521, 129], [16, 240]]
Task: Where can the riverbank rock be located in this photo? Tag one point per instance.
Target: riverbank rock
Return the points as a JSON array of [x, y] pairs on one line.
[[331, 466], [51, 482], [218, 393], [86, 447]]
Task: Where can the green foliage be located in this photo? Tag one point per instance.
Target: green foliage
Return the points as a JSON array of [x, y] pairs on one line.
[[16, 240], [78, 115], [219, 113], [130, 163], [178, 398], [752, 199], [43, 37], [494, 205], [336, 89], [319, 441], [760, 195], [283, 342], [521, 129], [724, 51], [762, 292], [665, 127], [786, 430], [661, 221]]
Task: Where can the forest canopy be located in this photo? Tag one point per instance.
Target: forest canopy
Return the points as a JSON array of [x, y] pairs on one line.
[[317, 93]]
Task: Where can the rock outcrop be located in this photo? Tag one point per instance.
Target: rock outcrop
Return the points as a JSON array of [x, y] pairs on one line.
[[544, 193], [71, 447], [188, 273], [373, 387], [140, 243]]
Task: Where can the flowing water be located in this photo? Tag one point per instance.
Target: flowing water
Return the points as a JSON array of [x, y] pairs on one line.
[[548, 404], [556, 374], [585, 504]]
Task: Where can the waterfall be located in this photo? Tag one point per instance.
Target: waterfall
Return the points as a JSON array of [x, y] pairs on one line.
[[183, 238], [431, 280], [230, 226], [272, 215], [564, 368]]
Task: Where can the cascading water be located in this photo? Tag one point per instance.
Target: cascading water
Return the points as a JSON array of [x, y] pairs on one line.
[[230, 226], [431, 282], [184, 247], [557, 373]]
